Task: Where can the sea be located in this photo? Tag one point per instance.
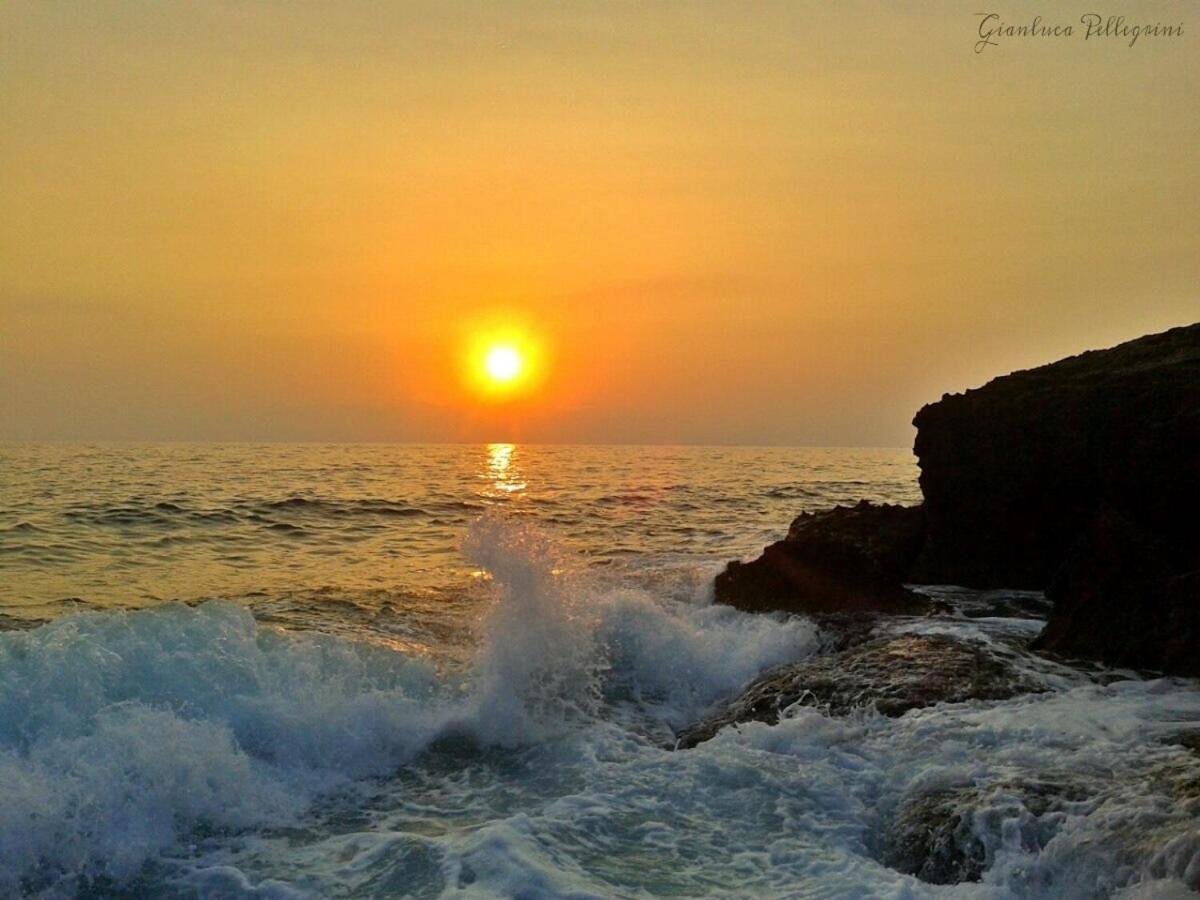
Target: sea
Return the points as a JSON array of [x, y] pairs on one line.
[[420, 671]]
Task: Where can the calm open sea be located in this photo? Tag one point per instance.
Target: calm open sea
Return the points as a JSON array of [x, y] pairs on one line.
[[134, 525], [456, 670]]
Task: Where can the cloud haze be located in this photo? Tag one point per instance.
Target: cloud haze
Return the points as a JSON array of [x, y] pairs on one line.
[[733, 223]]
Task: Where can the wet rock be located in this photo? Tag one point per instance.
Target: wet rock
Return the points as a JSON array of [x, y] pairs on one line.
[[1181, 780], [931, 837], [893, 674], [1117, 599], [1190, 740], [1013, 472], [1000, 604], [849, 558], [934, 835]]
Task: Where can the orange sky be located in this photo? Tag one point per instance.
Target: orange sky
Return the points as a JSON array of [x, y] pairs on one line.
[[722, 222]]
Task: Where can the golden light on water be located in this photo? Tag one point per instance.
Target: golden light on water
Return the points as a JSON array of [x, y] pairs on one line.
[[502, 471]]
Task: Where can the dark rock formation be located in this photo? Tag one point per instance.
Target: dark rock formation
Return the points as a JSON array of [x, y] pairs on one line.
[[1118, 600], [894, 674], [849, 558], [1013, 472], [1088, 468]]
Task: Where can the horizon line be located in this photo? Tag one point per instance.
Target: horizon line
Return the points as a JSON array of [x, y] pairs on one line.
[[455, 443]]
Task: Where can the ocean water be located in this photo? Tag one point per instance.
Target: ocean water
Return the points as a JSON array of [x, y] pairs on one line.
[[378, 671]]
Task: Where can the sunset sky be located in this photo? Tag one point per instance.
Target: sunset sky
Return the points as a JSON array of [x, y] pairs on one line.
[[708, 222]]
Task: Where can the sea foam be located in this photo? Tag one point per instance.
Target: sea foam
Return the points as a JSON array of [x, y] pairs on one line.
[[121, 733], [555, 645]]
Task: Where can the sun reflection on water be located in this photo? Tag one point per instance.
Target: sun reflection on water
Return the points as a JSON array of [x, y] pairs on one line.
[[502, 470]]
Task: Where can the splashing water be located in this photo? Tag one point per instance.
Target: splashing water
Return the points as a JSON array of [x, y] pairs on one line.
[[123, 732], [538, 664]]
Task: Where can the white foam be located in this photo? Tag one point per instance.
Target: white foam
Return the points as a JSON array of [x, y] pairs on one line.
[[555, 644], [121, 733], [1118, 823], [536, 667]]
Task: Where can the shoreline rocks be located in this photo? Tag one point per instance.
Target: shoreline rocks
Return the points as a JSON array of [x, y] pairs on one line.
[[846, 559], [934, 835], [891, 673], [1080, 478]]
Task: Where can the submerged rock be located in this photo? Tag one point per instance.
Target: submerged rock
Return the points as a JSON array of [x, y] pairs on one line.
[[935, 835], [893, 674], [1013, 472], [931, 837], [849, 558]]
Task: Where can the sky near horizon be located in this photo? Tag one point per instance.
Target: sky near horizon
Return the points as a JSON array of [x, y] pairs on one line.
[[754, 223]]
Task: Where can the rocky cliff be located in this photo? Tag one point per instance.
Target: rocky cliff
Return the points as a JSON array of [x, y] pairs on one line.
[[1014, 472]]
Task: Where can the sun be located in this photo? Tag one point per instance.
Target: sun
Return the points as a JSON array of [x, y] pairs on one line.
[[503, 363]]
